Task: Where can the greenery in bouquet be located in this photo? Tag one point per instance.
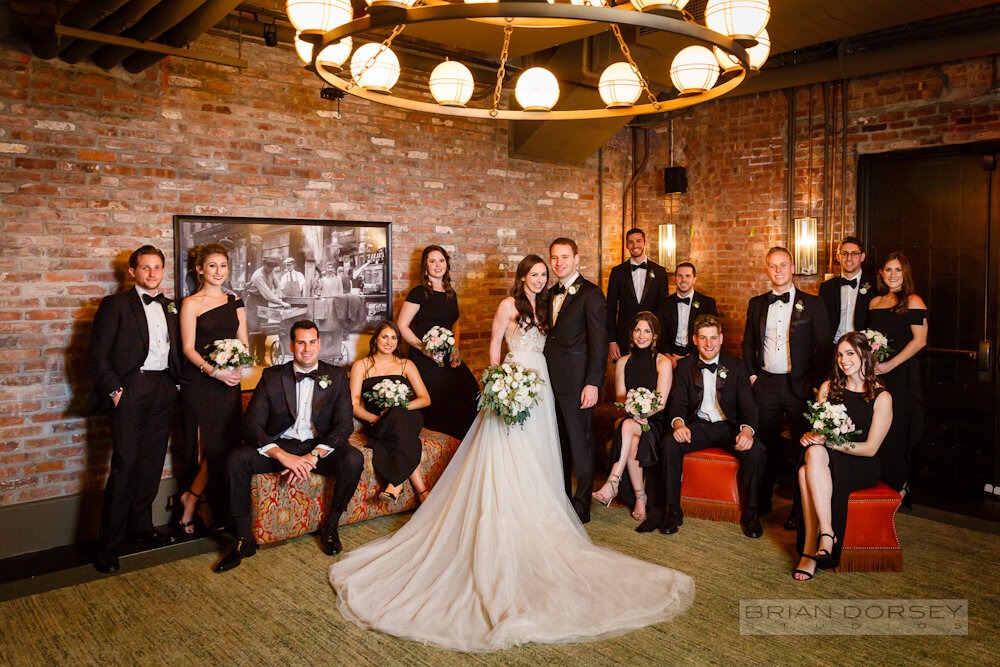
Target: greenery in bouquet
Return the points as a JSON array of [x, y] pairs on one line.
[[510, 390], [879, 343], [229, 354], [439, 343], [641, 402], [831, 420], [389, 393]]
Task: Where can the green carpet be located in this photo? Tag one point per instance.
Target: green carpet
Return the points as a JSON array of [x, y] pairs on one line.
[[277, 607]]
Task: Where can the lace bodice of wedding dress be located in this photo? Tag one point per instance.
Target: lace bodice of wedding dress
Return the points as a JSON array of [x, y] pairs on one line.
[[523, 339]]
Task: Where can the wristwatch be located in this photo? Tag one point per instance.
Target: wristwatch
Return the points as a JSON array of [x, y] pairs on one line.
[[315, 453]]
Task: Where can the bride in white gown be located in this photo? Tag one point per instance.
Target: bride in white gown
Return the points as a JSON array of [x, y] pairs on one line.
[[496, 556]]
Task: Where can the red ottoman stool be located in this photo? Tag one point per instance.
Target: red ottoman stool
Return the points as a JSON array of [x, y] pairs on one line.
[[708, 486], [870, 540]]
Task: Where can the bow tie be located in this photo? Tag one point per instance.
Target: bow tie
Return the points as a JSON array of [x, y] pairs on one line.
[[772, 297], [299, 377], [685, 300], [852, 283], [559, 289], [704, 366], [636, 267], [147, 299]]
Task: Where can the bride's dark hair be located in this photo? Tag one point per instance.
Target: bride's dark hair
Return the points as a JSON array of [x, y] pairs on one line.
[[526, 317], [838, 381]]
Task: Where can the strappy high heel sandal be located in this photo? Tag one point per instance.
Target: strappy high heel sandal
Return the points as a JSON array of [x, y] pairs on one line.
[[389, 497], [809, 575], [185, 527], [824, 557], [422, 496], [640, 497], [613, 480]]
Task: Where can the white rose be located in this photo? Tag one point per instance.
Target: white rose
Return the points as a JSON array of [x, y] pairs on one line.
[[817, 425]]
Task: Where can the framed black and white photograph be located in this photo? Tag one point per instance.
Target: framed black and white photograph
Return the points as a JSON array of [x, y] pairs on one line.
[[337, 274]]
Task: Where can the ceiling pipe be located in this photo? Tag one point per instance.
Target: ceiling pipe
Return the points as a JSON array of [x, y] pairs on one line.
[[160, 19], [115, 24], [185, 32], [46, 44]]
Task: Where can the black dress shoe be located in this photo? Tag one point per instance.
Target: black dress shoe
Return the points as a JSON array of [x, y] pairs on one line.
[[238, 550], [751, 526], [105, 563], [790, 523], [329, 541], [650, 524], [673, 521], [154, 537], [584, 518]]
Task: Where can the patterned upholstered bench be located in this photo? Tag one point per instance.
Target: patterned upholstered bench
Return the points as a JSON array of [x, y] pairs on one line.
[[709, 488], [871, 543]]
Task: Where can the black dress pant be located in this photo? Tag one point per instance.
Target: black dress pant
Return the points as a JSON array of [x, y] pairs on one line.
[[576, 437], [776, 398], [345, 463], [140, 429], [722, 435]]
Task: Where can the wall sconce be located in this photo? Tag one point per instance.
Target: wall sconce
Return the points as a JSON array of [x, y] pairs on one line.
[[806, 251], [668, 246]]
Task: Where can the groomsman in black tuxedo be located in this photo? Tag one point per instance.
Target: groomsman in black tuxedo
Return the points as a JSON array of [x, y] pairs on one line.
[[784, 345], [134, 358], [712, 405], [679, 311], [847, 296], [298, 421], [634, 286], [576, 352]]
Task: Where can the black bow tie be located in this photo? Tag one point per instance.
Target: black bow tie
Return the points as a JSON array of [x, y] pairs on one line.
[[852, 283], [299, 377], [686, 300], [705, 366], [772, 297], [147, 299], [636, 267], [559, 289]]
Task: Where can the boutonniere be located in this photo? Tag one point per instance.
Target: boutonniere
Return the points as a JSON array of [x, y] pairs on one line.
[[799, 307], [696, 305], [172, 308], [651, 275], [723, 372], [572, 289], [864, 288], [324, 381]]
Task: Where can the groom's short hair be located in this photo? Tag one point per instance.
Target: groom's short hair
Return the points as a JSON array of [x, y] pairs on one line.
[[565, 241]]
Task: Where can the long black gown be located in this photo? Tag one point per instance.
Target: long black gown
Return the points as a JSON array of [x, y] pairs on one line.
[[849, 472], [213, 407], [903, 382], [395, 438], [453, 391]]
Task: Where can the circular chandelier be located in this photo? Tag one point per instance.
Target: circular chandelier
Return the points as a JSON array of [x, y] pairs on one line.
[[721, 54]]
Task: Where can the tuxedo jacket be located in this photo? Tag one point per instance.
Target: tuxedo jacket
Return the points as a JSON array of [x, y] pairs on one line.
[[701, 304], [829, 291], [273, 407], [732, 392], [809, 338], [622, 304], [577, 345], [119, 344]]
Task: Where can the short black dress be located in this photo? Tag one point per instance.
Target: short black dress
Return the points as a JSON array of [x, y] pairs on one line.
[[903, 382], [395, 438], [211, 407], [849, 472], [453, 391], [640, 371]]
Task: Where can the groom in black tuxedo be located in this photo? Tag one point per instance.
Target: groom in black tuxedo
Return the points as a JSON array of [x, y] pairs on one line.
[[635, 285], [576, 352], [134, 358], [298, 421]]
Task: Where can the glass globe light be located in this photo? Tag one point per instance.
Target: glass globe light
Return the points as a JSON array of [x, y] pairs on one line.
[[620, 86], [379, 76], [321, 15], [758, 54], [737, 17], [537, 89], [651, 5], [694, 70], [451, 84]]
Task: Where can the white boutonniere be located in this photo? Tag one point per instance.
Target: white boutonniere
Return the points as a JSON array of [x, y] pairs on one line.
[[572, 289], [723, 372], [696, 305], [652, 275], [324, 381], [172, 308], [864, 288], [799, 307]]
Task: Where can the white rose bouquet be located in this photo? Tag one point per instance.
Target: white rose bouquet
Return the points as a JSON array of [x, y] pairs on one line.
[[510, 390], [439, 343], [229, 354], [640, 402], [879, 343], [389, 393], [832, 421]]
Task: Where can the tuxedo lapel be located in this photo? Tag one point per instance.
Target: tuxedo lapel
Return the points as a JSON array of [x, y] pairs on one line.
[[319, 393], [567, 298], [699, 385], [135, 305], [645, 287], [762, 308], [288, 387]]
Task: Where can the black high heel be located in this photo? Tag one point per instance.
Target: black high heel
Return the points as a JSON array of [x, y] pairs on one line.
[[809, 575], [175, 501], [824, 557]]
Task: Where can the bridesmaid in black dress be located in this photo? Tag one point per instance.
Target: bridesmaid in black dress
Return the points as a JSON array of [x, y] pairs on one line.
[[635, 448], [902, 316], [210, 396], [452, 388], [832, 472], [393, 434]]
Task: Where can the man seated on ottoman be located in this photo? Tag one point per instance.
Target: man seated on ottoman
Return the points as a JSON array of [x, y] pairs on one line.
[[298, 421]]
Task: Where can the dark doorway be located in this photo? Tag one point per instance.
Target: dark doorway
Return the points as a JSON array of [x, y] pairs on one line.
[[942, 208]]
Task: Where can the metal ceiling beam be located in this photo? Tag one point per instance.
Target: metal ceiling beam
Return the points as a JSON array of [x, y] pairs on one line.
[[128, 43], [115, 24], [84, 14]]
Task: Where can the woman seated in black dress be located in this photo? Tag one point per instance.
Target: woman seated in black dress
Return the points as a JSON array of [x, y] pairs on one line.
[[902, 316], [393, 433], [831, 472], [642, 367], [452, 387]]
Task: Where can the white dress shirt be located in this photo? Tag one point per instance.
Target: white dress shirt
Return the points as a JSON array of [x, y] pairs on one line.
[[683, 315], [777, 352], [710, 410], [848, 302], [303, 429], [158, 357], [557, 301], [638, 277]]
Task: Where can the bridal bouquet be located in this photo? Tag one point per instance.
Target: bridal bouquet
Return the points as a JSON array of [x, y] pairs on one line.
[[640, 402], [229, 354], [389, 393], [879, 343], [832, 421], [439, 342], [509, 391]]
